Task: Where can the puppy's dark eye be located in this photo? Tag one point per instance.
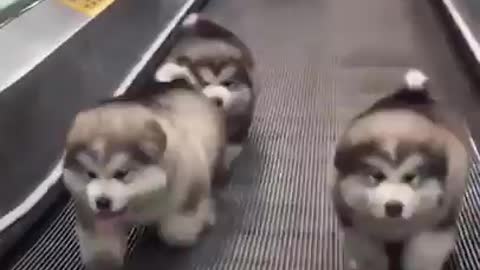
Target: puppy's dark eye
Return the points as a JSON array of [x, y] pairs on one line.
[[409, 177], [91, 175], [228, 83], [120, 174], [378, 176]]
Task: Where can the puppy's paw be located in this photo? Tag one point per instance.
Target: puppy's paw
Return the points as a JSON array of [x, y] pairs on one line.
[[180, 231], [101, 251], [207, 213], [104, 263]]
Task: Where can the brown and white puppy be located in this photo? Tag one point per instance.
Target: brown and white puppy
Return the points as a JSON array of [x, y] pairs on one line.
[[217, 63], [143, 160], [401, 168]]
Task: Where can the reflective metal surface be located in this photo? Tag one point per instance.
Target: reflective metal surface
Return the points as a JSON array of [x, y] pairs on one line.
[[28, 39], [11, 9]]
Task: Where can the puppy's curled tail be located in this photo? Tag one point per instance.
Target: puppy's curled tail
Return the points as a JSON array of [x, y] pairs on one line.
[[415, 91], [203, 27], [190, 20], [197, 25], [416, 80]]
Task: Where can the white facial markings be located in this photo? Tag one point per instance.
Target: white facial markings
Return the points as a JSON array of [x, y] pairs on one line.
[[380, 164], [394, 188], [98, 146], [227, 72], [411, 163], [221, 92], [208, 76], [116, 162], [88, 162], [150, 179], [112, 189], [171, 71], [416, 196], [387, 192], [390, 145]]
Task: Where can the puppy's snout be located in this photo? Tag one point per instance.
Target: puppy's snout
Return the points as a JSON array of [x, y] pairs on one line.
[[393, 209], [219, 95], [103, 203]]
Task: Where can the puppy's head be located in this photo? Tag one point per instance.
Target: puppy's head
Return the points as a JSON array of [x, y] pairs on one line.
[[215, 61], [392, 161], [114, 156], [226, 81], [384, 182]]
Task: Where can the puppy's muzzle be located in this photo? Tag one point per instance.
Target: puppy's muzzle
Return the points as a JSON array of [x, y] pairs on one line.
[[393, 209], [220, 95], [103, 203]]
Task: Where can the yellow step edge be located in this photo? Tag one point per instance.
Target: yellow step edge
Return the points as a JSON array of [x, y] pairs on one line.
[[89, 8]]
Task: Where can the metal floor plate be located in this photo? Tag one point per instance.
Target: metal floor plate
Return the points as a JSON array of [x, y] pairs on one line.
[[320, 62]]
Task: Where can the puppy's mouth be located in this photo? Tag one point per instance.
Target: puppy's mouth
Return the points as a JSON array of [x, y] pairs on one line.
[[109, 214]]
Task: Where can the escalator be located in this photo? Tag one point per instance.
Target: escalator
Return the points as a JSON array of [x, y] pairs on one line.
[[319, 63]]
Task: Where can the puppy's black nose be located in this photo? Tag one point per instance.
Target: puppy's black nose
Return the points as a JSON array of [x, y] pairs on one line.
[[103, 203], [393, 208]]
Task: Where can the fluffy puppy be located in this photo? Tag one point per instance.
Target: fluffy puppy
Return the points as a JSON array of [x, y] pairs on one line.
[[218, 64], [143, 160], [401, 168]]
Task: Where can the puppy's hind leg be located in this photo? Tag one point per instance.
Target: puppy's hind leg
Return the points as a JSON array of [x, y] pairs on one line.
[[183, 226], [429, 250]]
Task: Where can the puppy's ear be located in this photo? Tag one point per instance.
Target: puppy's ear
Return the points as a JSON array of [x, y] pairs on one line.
[[155, 140]]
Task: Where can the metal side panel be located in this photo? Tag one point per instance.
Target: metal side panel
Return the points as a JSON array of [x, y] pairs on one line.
[[320, 62], [101, 59], [465, 15], [461, 18], [28, 39]]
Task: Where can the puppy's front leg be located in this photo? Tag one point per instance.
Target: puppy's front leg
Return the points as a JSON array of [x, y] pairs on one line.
[[362, 253], [232, 151], [101, 250], [182, 229], [429, 250], [191, 210]]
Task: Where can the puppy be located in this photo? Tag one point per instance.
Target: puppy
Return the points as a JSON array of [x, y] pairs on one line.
[[143, 160], [401, 168], [218, 64]]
